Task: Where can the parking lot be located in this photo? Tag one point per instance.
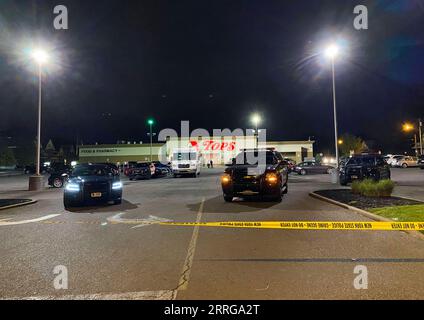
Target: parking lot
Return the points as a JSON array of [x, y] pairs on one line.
[[122, 251]]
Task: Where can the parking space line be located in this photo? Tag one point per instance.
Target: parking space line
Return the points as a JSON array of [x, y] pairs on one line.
[[14, 223], [185, 274]]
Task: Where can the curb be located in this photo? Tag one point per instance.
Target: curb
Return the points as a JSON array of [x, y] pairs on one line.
[[367, 214], [18, 205]]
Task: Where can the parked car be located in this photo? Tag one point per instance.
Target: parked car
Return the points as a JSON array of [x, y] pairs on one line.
[[391, 158], [311, 167], [405, 162], [242, 179], [162, 169], [140, 171], [30, 169], [92, 184], [421, 162], [291, 164], [129, 166], [59, 175], [361, 167], [112, 166]]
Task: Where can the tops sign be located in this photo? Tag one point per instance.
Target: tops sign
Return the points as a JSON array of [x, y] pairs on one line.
[[211, 145]]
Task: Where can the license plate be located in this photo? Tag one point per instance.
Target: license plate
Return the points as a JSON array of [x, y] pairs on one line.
[[96, 194], [354, 177]]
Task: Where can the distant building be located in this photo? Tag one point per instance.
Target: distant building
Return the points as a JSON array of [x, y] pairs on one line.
[[220, 150]]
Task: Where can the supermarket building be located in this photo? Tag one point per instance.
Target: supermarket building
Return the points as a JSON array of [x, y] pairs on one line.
[[220, 150]]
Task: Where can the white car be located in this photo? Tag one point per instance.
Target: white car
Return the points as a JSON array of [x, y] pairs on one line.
[[405, 162], [392, 158]]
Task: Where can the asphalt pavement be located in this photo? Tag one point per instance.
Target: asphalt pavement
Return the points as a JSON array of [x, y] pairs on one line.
[[122, 252]]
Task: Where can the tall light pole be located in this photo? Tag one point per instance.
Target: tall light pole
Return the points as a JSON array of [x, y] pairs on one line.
[[408, 127], [36, 182], [151, 122], [331, 52], [420, 125], [256, 120]]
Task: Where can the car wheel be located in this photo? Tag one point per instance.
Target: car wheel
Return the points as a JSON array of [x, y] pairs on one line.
[[58, 183], [228, 198], [404, 165], [343, 182], [119, 201], [303, 172]]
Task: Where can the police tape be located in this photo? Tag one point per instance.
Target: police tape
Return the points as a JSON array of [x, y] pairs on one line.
[[307, 225]]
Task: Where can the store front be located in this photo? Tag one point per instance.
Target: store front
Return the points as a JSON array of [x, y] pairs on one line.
[[219, 150]]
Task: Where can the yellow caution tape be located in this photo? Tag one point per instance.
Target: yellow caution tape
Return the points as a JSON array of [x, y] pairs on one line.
[[307, 225]]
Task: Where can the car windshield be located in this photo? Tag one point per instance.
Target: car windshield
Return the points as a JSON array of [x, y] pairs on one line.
[[361, 161], [251, 157], [90, 170], [185, 156]]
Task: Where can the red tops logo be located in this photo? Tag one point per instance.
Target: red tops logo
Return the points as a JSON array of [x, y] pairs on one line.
[[211, 145]]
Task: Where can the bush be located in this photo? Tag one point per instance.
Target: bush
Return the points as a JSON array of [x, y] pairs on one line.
[[371, 188]]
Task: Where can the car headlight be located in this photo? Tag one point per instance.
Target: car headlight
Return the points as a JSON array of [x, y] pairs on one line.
[[225, 178], [117, 185], [271, 177], [73, 187]]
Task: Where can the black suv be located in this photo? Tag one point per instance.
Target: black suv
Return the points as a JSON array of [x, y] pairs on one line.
[[92, 183], [244, 177], [361, 167], [421, 162]]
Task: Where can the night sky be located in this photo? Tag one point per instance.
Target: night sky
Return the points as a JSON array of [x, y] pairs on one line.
[[213, 63]]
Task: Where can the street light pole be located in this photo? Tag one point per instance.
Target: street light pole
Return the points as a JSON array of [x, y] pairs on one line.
[[36, 181], [256, 119], [336, 138], [421, 136], [151, 139], [38, 159], [257, 135]]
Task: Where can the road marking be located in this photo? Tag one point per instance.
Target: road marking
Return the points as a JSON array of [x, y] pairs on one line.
[[14, 223], [308, 225], [185, 274], [141, 295], [138, 222]]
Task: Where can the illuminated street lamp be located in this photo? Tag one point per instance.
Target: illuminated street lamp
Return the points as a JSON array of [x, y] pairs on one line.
[[408, 127], [331, 52], [40, 57], [151, 122], [256, 120], [340, 142]]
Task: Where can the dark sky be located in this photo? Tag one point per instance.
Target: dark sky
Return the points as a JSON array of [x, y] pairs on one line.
[[214, 63]]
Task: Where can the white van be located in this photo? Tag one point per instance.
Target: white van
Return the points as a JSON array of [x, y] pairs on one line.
[[186, 161]]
